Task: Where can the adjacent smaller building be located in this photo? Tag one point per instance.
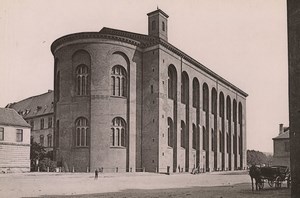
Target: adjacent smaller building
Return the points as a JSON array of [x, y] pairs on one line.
[[282, 147], [14, 142], [38, 112]]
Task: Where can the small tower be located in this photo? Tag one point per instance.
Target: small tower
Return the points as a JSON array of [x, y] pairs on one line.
[[158, 24]]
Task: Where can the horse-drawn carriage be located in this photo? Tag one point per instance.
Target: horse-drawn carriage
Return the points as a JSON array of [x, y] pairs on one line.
[[273, 175]]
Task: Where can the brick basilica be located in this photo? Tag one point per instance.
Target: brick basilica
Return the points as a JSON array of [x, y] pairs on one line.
[[130, 102]]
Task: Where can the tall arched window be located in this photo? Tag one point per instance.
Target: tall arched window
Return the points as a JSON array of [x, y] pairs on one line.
[[118, 132], [214, 101], [170, 132], [82, 80], [184, 88], [194, 136], [205, 97], [163, 26], [172, 82], [221, 104], [196, 93], [82, 132], [118, 81], [203, 138], [182, 135]]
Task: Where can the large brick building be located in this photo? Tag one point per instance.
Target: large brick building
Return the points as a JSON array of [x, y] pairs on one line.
[[126, 101]]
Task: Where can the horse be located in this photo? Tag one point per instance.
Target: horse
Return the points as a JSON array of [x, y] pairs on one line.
[[255, 173]]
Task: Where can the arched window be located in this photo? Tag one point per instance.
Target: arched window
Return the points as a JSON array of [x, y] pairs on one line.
[[182, 135], [82, 132], [172, 82], [212, 140], [221, 104], [82, 80], [163, 26], [214, 101], [170, 132], [118, 132], [184, 88], [118, 81], [196, 93], [205, 98], [203, 138], [194, 136]]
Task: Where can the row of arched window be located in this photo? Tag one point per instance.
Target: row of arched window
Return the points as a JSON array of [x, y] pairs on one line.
[[118, 132], [195, 137], [172, 89], [118, 81]]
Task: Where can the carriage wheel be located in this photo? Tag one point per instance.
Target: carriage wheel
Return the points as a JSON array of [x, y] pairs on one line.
[[278, 182], [271, 183], [288, 181], [260, 185]]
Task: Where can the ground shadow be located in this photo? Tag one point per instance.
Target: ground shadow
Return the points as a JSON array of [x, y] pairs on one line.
[[239, 190]]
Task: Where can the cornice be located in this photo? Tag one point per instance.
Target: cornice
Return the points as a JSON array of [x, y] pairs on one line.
[[142, 41]]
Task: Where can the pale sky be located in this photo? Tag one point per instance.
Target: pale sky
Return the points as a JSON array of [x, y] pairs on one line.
[[244, 41]]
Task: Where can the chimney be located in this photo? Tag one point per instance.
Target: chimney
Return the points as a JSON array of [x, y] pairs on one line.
[[280, 129]]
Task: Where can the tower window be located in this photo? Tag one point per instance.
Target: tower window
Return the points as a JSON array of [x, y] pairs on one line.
[[153, 25], [163, 26]]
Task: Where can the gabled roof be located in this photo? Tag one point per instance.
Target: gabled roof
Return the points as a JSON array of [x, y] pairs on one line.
[[10, 117], [284, 135], [34, 106]]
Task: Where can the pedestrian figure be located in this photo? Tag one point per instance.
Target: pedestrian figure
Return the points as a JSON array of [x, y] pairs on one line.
[[178, 168], [96, 174]]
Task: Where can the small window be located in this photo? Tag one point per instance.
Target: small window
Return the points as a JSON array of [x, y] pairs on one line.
[[151, 88], [1, 133], [42, 123], [49, 122], [153, 25], [163, 26], [32, 124], [19, 135], [49, 140], [42, 140]]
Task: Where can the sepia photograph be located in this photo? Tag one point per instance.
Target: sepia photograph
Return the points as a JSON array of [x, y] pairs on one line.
[[153, 98]]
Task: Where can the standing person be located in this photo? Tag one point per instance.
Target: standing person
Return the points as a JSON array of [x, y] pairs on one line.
[[96, 174]]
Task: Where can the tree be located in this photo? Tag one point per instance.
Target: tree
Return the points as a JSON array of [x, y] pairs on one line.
[[257, 158], [37, 153]]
